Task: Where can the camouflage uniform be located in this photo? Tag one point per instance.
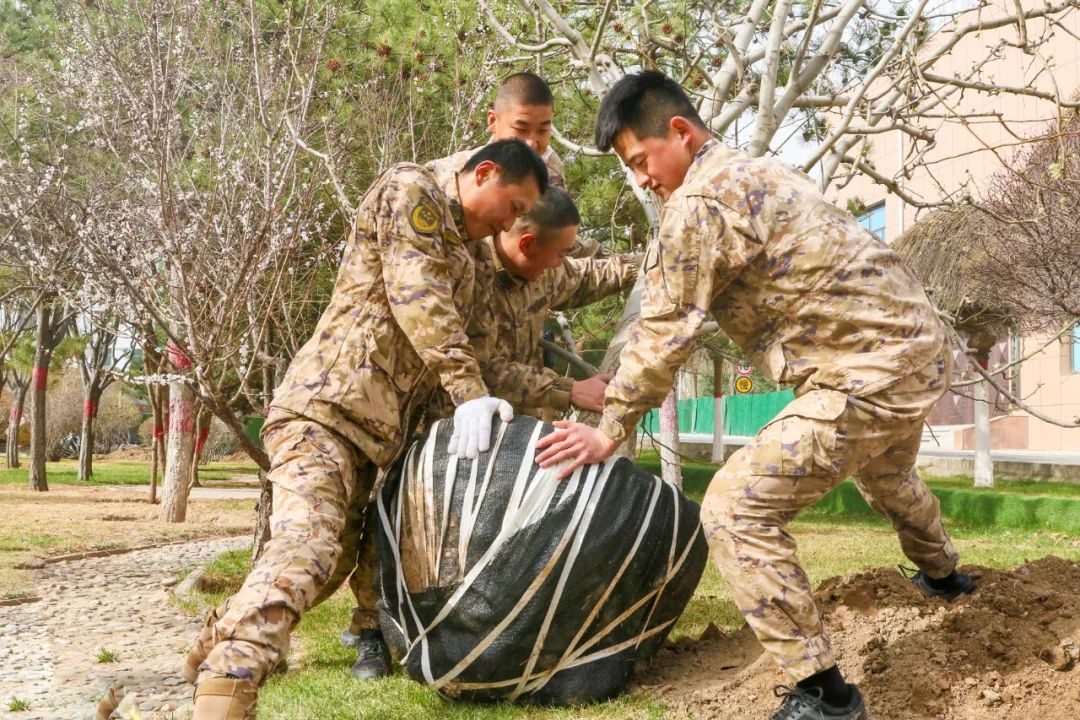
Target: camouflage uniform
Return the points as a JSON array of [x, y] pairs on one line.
[[510, 357], [520, 307], [511, 361], [815, 301], [395, 329], [358, 561]]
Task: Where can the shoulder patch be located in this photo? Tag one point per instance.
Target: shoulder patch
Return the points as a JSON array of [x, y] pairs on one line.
[[424, 217]]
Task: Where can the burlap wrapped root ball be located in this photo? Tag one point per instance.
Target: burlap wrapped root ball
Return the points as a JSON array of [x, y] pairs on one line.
[[499, 581]]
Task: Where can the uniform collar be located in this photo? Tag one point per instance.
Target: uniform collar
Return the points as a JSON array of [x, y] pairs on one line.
[[448, 182], [502, 274], [699, 157]]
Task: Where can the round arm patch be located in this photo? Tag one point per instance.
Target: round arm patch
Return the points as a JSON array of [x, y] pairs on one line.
[[424, 217]]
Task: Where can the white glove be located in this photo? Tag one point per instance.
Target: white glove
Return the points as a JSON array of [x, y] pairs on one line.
[[472, 425]]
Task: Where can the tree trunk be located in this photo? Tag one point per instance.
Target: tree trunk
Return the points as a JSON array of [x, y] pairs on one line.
[[262, 515], [180, 452], [156, 444], [718, 411], [163, 402], [14, 422], [86, 443], [670, 470], [155, 453], [984, 467], [202, 431], [39, 379]]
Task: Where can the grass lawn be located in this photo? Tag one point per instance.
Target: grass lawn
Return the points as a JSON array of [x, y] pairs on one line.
[[317, 684], [123, 472], [696, 477]]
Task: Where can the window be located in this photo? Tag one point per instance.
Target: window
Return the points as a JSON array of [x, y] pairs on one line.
[[1075, 350], [874, 220]]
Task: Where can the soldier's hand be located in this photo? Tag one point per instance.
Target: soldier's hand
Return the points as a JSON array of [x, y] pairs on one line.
[[472, 425], [589, 394], [575, 442]]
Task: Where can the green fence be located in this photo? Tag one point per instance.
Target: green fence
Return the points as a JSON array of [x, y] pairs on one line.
[[743, 414]]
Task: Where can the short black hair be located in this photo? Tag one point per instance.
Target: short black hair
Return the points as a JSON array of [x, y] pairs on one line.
[[554, 210], [516, 161], [526, 88], [645, 103]]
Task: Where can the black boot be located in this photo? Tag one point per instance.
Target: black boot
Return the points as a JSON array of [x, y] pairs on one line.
[[373, 659], [947, 588], [802, 704]]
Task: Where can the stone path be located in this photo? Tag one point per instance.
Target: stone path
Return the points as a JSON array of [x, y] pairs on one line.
[[49, 649]]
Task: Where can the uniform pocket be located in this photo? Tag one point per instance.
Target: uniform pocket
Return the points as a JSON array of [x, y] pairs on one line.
[[805, 439], [656, 300]]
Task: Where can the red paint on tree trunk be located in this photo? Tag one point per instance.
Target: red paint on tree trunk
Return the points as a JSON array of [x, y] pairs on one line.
[[159, 432], [201, 440], [178, 358], [90, 409], [182, 416], [16, 413], [39, 378]]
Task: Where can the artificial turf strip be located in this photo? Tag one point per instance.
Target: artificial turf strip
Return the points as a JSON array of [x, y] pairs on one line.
[[973, 508]]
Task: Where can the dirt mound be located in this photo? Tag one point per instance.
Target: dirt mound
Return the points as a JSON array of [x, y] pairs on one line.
[[1011, 650], [141, 453]]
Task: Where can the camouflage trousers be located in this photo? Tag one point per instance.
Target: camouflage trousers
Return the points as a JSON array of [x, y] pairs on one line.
[[822, 437], [316, 475], [357, 564]]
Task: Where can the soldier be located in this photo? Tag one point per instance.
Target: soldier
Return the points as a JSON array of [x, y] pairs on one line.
[[816, 302], [394, 330], [530, 275], [523, 108], [525, 273]]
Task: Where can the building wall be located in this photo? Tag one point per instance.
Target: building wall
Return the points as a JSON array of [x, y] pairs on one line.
[[967, 155], [1050, 382]]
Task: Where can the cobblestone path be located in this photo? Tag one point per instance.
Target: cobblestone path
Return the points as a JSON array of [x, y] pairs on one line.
[[49, 649]]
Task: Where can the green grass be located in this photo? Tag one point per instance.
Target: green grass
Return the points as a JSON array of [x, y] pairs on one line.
[[317, 684], [696, 477], [29, 541], [107, 656], [66, 472], [1008, 486], [1020, 504], [17, 705]]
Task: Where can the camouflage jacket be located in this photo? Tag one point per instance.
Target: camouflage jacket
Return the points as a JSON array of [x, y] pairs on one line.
[[509, 350], [396, 326], [811, 297], [518, 374], [454, 163]]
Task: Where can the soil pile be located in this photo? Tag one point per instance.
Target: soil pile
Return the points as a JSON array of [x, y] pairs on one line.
[[1011, 650]]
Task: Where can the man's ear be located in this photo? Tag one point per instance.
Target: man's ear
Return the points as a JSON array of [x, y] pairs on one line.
[[485, 171], [526, 243], [681, 127], [492, 117]]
